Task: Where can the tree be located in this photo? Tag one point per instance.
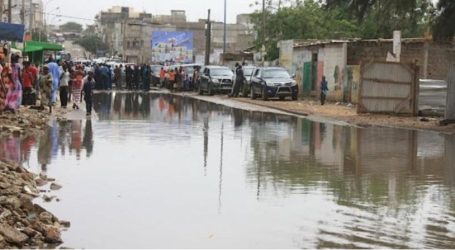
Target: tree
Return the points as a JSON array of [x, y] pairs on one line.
[[379, 18], [444, 28], [301, 20], [91, 43], [71, 27]]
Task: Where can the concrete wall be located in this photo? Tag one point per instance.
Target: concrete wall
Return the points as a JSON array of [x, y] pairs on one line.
[[435, 58]]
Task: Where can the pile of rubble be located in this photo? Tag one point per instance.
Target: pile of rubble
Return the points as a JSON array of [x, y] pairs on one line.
[[24, 224]]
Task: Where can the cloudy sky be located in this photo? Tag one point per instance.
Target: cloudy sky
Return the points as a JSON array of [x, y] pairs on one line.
[[195, 9]]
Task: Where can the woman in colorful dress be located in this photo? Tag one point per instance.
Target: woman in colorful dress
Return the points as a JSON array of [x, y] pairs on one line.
[[3, 91], [11, 77], [77, 87]]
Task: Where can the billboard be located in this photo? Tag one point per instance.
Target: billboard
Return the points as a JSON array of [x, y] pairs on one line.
[[172, 46]]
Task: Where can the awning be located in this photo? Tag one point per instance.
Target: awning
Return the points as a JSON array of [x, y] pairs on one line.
[[12, 32], [29, 49], [33, 46]]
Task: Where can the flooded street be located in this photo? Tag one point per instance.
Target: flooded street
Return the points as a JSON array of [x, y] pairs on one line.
[[162, 171]]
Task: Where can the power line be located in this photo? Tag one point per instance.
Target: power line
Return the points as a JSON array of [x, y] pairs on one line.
[[65, 16]]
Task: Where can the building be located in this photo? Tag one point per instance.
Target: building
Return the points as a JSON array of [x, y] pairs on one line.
[[27, 12], [339, 61], [129, 33]]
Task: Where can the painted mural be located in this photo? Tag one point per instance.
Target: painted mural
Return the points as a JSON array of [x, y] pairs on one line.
[[172, 46]]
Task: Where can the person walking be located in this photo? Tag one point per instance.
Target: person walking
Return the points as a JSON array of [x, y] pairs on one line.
[[117, 76], [45, 82], [324, 90], [87, 92], [13, 82], [77, 87], [54, 69], [147, 77], [28, 78], [162, 75], [239, 78], [129, 76], [136, 76], [64, 87]]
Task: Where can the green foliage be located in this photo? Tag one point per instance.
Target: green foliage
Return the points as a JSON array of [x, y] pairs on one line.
[[444, 25], [337, 19], [71, 27], [91, 43]]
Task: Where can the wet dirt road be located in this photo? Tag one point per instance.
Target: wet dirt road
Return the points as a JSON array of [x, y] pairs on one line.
[[162, 171]]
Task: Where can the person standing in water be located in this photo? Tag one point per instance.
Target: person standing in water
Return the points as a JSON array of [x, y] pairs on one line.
[[324, 90], [87, 92], [45, 82], [64, 87]]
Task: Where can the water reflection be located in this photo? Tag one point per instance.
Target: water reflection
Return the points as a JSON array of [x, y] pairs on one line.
[[61, 137], [293, 182]]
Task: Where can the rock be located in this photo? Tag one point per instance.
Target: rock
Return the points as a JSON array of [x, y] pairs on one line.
[[52, 236], [6, 213], [29, 232], [46, 218], [4, 185], [424, 119], [65, 223], [11, 201], [48, 198], [17, 132], [13, 235], [31, 192], [40, 182], [2, 242], [55, 186]]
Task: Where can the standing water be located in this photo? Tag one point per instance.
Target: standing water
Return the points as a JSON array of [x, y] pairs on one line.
[[161, 171]]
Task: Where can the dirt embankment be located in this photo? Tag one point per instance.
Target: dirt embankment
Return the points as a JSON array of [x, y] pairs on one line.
[[24, 224], [348, 114]]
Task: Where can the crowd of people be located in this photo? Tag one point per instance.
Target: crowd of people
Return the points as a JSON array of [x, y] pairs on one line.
[[144, 76], [65, 81], [28, 83]]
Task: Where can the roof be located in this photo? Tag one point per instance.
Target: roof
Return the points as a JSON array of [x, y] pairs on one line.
[[32, 46], [272, 68], [216, 67], [308, 43]]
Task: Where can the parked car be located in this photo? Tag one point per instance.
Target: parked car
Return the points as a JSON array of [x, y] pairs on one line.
[[248, 73], [215, 79], [189, 70], [269, 82]]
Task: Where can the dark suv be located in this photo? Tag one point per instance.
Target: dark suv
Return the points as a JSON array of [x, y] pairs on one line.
[[269, 82], [215, 79]]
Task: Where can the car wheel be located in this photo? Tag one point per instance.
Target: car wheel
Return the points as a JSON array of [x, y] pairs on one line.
[[210, 91], [294, 97], [282, 98], [201, 92], [264, 94], [252, 94]]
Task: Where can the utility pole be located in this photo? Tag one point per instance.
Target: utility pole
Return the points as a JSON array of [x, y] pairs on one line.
[[31, 16], [208, 36], [10, 8], [23, 12], [1, 10], [263, 33], [224, 37]]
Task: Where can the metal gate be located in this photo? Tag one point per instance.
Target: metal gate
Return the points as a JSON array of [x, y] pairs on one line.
[[388, 87]]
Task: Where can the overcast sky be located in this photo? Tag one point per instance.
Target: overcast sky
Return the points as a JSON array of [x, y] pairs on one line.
[[195, 9]]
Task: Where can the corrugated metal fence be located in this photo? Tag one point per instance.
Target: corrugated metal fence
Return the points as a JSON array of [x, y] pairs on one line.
[[387, 87]]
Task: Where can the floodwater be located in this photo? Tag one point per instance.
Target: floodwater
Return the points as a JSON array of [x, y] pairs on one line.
[[160, 171]]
